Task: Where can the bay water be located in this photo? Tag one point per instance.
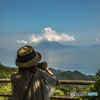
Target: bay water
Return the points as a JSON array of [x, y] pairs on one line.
[[85, 60]]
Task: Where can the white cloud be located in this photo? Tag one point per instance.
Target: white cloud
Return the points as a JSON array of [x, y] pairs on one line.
[[51, 35], [97, 40], [34, 39], [22, 41]]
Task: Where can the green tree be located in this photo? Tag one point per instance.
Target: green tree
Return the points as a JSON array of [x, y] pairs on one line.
[[58, 92], [95, 87], [6, 72]]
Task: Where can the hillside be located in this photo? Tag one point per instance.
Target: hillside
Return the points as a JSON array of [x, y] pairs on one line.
[[1, 49], [68, 75], [55, 71], [95, 46], [6, 72]]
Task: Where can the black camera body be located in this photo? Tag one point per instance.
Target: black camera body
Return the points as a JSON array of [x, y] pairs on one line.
[[42, 65], [39, 65]]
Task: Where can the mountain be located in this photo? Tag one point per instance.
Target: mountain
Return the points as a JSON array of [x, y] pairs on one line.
[[55, 71], [52, 45], [2, 49], [68, 75], [6, 72], [95, 46]]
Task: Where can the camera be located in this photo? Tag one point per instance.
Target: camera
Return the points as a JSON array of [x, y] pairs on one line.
[[39, 65], [42, 65]]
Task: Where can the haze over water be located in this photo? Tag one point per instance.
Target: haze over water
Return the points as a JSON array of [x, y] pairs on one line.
[[85, 60]]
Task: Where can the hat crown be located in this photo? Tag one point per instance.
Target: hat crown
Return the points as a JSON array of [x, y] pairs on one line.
[[24, 50], [27, 57]]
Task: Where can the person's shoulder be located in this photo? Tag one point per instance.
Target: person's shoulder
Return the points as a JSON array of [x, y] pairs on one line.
[[13, 76], [46, 76], [42, 72]]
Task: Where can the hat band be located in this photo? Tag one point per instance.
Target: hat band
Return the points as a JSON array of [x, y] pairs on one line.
[[26, 58]]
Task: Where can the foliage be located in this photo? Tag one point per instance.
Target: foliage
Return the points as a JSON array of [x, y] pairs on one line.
[[95, 87], [58, 92], [5, 88], [6, 72], [68, 75], [68, 88], [55, 72]]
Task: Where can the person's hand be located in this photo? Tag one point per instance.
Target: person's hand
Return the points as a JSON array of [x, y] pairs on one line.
[[44, 66]]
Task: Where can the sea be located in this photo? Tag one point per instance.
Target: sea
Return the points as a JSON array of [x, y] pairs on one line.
[[84, 59]]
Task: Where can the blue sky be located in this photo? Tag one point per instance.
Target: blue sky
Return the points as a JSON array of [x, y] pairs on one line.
[[70, 22]]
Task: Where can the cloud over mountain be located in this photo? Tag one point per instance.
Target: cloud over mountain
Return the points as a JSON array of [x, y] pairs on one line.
[[96, 40], [33, 39], [49, 35]]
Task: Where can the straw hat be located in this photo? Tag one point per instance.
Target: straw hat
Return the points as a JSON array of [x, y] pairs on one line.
[[27, 57]]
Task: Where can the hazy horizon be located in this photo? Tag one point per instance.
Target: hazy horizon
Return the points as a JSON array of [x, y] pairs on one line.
[[74, 22], [85, 60], [69, 22]]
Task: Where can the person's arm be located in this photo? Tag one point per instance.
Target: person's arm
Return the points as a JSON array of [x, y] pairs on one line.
[[45, 67], [48, 71]]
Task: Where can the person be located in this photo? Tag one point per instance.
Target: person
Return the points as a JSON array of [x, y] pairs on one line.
[[32, 83]]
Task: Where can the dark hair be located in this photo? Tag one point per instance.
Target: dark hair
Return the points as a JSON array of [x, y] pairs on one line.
[[30, 69]]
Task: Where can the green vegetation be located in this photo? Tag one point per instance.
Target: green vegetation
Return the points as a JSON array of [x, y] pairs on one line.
[[68, 75], [58, 92], [6, 72], [66, 89], [95, 87], [55, 72]]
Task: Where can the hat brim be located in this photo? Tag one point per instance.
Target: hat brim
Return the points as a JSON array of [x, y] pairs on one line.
[[30, 63]]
